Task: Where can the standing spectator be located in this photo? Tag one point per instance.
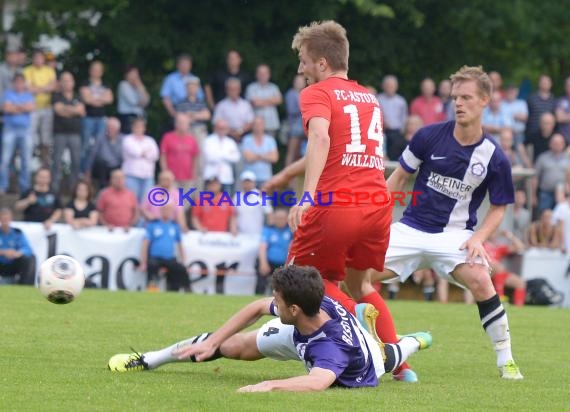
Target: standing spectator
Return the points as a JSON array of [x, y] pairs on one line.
[[107, 153], [140, 153], [264, 97], [220, 154], [161, 244], [563, 112], [546, 232], [428, 106], [561, 214], [16, 256], [259, 151], [173, 90], [521, 216], [294, 120], [235, 110], [251, 209], [17, 106], [39, 203], [196, 110], [444, 93], [550, 170], [151, 211], [273, 249], [497, 82], [506, 141], [547, 125], [517, 110], [216, 88], [395, 110], [540, 102], [68, 112], [413, 124], [179, 153], [9, 68], [117, 205], [132, 98], [96, 96], [80, 212], [494, 117], [41, 82]]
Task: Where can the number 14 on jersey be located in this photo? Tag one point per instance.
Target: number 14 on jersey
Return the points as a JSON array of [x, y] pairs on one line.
[[374, 131]]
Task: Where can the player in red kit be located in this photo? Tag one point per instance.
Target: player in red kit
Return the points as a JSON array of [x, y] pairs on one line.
[[342, 232]]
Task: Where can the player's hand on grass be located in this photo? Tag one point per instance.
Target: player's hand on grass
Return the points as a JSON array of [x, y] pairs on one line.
[[203, 350], [475, 251], [264, 386], [296, 215]]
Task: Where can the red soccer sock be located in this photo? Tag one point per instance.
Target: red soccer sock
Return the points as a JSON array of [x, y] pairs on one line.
[[384, 323], [333, 291], [519, 296], [498, 280]]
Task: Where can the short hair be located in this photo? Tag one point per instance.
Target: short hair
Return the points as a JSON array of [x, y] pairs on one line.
[[325, 39], [476, 74], [183, 56], [301, 286], [232, 80]]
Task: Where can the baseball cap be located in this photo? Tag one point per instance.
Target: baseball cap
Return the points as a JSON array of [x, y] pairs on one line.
[[248, 175]]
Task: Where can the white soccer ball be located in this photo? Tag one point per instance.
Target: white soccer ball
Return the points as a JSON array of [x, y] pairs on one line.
[[61, 279]]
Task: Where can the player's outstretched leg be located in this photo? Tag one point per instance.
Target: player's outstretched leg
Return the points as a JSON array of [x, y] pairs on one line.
[[396, 354]]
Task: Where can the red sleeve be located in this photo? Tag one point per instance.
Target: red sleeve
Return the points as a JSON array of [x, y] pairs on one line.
[[314, 102], [197, 212]]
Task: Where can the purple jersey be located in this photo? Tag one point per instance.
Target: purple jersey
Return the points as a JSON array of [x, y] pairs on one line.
[[453, 179], [339, 346]]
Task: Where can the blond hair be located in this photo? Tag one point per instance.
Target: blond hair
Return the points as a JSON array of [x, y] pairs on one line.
[[476, 74], [325, 39]]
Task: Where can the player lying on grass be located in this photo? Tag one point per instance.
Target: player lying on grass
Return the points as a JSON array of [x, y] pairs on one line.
[[337, 349]]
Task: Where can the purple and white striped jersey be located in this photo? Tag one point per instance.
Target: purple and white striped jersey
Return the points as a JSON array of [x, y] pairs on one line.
[[453, 179]]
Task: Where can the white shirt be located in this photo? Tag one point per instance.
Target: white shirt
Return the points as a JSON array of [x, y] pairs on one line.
[[139, 156], [561, 213], [219, 154], [251, 217]]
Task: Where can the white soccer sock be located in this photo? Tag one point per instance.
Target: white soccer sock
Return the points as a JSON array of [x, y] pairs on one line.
[[160, 357], [408, 346], [495, 322]]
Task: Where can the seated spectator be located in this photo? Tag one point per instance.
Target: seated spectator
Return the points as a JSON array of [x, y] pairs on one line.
[[17, 259], [521, 216], [140, 153], [220, 154], [80, 211], [40, 203], [259, 151], [196, 109], [117, 205], [275, 241], [132, 98], [395, 110], [294, 120], [265, 97], [235, 110], [18, 104], [428, 106], [179, 153], [495, 118], [152, 211], [173, 89], [550, 170], [161, 244], [250, 208], [544, 233], [107, 154]]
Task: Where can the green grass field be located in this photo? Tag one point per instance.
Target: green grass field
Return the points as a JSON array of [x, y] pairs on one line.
[[54, 358]]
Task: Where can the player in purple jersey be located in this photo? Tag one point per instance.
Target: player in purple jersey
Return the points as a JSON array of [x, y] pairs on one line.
[[336, 348]]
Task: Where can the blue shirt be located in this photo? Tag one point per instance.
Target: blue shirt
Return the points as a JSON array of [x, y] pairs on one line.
[[453, 179], [262, 168], [163, 237], [174, 87], [277, 241], [18, 120], [14, 239]]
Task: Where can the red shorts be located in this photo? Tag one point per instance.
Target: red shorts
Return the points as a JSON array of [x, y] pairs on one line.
[[334, 238]]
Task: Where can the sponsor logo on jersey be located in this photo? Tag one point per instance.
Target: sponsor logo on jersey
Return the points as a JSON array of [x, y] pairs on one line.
[[449, 186], [362, 160]]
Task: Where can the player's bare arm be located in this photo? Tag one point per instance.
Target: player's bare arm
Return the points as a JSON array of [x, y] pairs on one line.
[[282, 178], [247, 316], [398, 180], [318, 379], [491, 222]]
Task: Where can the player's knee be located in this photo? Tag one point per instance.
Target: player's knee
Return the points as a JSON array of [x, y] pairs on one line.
[[480, 284]]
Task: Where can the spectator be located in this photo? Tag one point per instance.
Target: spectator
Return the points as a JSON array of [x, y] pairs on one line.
[[196, 110], [117, 205], [173, 90], [506, 141], [428, 106], [68, 112], [497, 82], [521, 216], [494, 117], [561, 216], [39, 203], [540, 102], [251, 208], [9, 68], [17, 106], [264, 97], [41, 82], [96, 96], [17, 259], [444, 93], [296, 132], [273, 249], [140, 153], [161, 243], [216, 88], [563, 189], [179, 153], [413, 124], [107, 153], [132, 98], [544, 233], [517, 110], [220, 154], [550, 170], [152, 211], [563, 112], [259, 151], [395, 110], [80, 212], [547, 124], [215, 216], [235, 110]]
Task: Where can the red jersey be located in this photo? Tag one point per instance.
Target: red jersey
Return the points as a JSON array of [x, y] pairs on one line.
[[354, 170]]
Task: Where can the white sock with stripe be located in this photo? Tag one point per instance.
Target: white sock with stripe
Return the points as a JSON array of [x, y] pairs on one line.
[[160, 357], [495, 322]]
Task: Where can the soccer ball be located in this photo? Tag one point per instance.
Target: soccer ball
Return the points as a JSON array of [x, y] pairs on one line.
[[61, 279]]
